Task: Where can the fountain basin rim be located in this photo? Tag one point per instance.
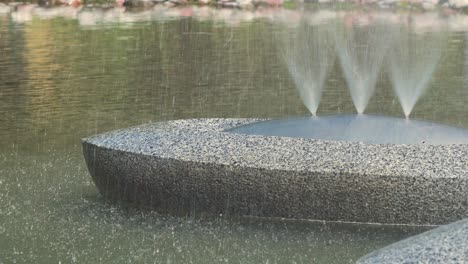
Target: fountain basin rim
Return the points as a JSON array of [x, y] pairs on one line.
[[188, 132], [264, 166]]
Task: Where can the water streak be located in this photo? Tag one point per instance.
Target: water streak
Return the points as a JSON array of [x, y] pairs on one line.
[[413, 59], [361, 49], [309, 54], [466, 61]]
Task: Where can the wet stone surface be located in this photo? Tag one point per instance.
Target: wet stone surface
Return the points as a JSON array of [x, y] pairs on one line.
[[447, 244], [194, 165]]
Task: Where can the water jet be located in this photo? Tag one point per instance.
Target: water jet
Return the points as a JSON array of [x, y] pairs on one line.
[[361, 50], [413, 58], [309, 55]]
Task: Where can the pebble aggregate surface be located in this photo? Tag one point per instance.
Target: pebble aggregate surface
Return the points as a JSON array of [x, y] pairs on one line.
[[198, 164], [447, 244]]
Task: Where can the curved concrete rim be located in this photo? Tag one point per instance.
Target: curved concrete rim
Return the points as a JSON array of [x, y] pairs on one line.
[[196, 166]]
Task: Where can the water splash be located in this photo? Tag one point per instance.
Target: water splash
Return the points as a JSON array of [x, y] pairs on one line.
[[413, 59], [309, 54], [361, 49]]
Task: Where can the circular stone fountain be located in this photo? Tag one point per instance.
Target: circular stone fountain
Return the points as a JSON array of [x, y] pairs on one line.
[[200, 165], [333, 168]]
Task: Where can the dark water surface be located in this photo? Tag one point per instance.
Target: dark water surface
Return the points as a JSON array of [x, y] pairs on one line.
[[62, 79]]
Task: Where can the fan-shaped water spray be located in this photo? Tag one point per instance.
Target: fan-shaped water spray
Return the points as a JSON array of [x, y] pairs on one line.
[[309, 54], [361, 49], [413, 59]]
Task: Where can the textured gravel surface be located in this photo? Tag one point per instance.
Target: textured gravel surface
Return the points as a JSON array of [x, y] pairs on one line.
[[194, 164], [446, 244]]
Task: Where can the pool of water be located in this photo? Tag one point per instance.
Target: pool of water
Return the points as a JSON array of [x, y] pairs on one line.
[[66, 74], [359, 128]]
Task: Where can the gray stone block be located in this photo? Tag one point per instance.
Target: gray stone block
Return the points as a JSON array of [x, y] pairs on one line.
[[446, 245], [191, 166]]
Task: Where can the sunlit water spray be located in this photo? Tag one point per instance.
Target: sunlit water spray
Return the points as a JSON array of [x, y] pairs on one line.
[[361, 49], [413, 59], [309, 54]]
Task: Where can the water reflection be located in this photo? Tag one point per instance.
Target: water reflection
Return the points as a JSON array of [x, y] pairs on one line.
[[97, 17], [466, 60], [4, 9], [60, 81]]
